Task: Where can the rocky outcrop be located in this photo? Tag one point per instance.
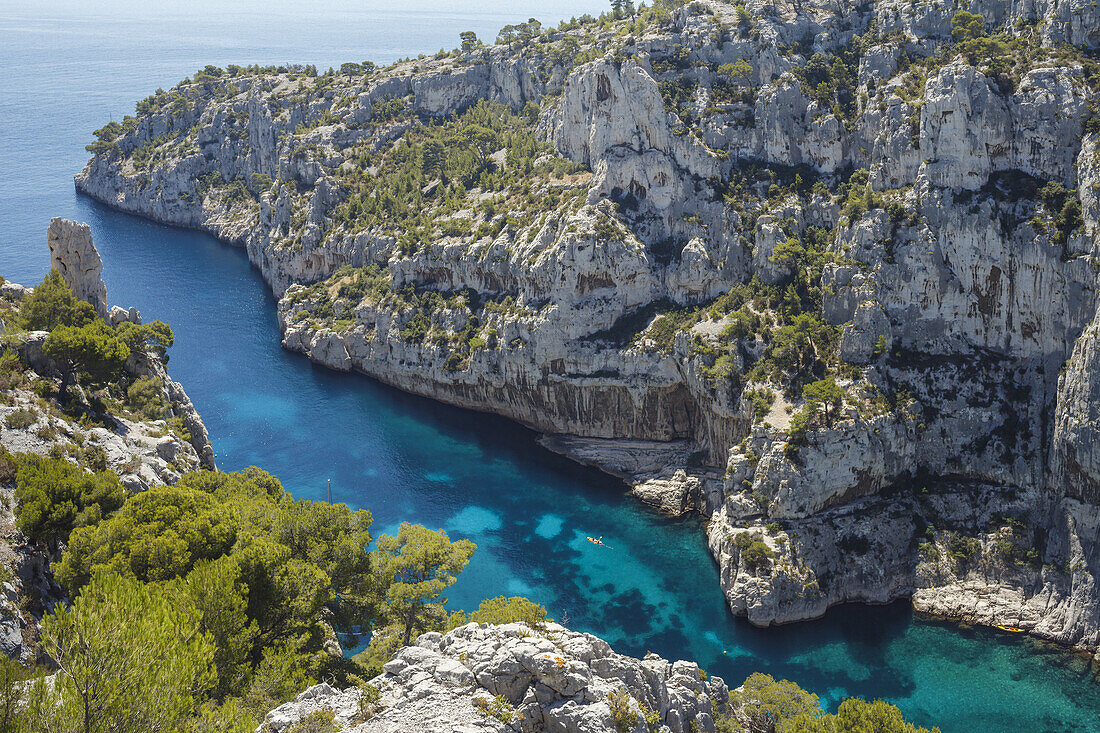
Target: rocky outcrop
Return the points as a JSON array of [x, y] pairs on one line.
[[74, 256], [725, 206], [514, 678]]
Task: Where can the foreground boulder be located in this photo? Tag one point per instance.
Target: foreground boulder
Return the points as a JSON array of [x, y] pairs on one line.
[[481, 677]]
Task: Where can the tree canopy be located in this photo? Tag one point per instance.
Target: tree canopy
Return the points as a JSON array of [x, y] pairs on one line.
[[53, 304], [158, 535], [415, 567], [130, 657], [825, 395], [56, 496], [501, 610], [155, 336], [767, 705], [92, 353]]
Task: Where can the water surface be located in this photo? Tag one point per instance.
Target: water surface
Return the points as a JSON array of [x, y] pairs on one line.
[[65, 70]]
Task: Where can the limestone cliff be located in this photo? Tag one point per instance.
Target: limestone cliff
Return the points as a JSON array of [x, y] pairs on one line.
[[647, 237]]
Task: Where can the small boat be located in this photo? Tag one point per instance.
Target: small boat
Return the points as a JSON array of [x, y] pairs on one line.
[[1013, 629], [597, 540]]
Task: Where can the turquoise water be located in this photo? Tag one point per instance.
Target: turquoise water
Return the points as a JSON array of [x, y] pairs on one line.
[[653, 588]]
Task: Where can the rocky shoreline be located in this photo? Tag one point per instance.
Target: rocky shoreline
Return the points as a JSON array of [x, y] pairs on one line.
[[657, 211]]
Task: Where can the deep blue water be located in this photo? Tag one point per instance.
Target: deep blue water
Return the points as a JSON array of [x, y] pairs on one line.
[[65, 70]]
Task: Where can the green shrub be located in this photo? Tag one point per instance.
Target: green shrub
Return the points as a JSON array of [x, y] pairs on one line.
[[281, 674], [967, 26], [1064, 207], [146, 397], [94, 458], [158, 535], [623, 714], [928, 551], [56, 496], [416, 328], [179, 428], [501, 610], [757, 554], [20, 419], [12, 371], [498, 708], [260, 182], [762, 400], [154, 337], [765, 701], [9, 465], [800, 425], [456, 361], [318, 721], [370, 698]]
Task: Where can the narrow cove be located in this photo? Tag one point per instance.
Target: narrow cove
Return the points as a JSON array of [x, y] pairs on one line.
[[654, 587]]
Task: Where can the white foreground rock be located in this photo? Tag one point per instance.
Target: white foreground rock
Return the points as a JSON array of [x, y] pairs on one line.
[[481, 677]]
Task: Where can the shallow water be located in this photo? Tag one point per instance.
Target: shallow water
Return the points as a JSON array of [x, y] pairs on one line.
[[654, 587]]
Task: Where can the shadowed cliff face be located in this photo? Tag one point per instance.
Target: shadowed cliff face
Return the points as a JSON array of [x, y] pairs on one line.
[[649, 243]]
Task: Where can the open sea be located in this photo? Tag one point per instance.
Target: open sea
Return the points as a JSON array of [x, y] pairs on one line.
[[67, 68]]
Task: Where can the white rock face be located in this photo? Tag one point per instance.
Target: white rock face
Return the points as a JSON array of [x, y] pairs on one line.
[[514, 678], [74, 256], [605, 106], [867, 335]]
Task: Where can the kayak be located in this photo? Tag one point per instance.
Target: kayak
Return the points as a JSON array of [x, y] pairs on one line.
[[596, 541], [1013, 629]]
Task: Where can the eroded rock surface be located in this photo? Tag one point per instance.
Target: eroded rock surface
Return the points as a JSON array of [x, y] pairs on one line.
[[74, 256], [514, 678]]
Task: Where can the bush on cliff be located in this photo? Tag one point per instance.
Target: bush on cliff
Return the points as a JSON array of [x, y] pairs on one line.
[[155, 337], [757, 555], [53, 304], [56, 496], [158, 535], [145, 396], [92, 354], [501, 610]]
